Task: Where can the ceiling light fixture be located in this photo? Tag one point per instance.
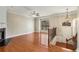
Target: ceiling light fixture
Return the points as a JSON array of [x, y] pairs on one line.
[[35, 14], [67, 23]]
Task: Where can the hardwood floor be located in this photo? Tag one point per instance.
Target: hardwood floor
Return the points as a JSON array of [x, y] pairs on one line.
[[29, 43]]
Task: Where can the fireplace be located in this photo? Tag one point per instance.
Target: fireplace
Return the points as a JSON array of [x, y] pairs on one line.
[[2, 36]]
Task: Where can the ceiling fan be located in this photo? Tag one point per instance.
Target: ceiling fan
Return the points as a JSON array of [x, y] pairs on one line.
[[35, 14]]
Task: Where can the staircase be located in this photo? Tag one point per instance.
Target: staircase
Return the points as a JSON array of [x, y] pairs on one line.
[[74, 39], [51, 33], [67, 45], [55, 48]]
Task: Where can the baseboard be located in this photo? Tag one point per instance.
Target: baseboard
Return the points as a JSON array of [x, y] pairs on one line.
[[18, 35]]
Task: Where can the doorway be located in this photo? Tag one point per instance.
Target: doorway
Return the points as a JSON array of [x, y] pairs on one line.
[[44, 24]]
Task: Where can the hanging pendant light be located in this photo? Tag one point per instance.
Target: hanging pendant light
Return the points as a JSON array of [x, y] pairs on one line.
[[66, 23]]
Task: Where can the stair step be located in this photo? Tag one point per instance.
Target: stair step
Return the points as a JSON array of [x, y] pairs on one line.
[[65, 45]]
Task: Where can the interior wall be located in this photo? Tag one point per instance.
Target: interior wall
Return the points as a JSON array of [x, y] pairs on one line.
[[3, 17], [19, 25], [62, 31], [36, 24], [74, 24], [3, 13], [78, 33], [78, 29]]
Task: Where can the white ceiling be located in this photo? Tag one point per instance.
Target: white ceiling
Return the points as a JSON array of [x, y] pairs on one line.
[[43, 10]]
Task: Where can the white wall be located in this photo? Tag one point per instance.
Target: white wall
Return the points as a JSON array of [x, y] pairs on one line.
[[3, 17], [36, 24], [3, 13], [63, 31], [78, 29], [19, 25], [74, 26], [78, 34]]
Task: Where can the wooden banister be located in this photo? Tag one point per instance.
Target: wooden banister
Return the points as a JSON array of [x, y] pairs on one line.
[[74, 39]]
